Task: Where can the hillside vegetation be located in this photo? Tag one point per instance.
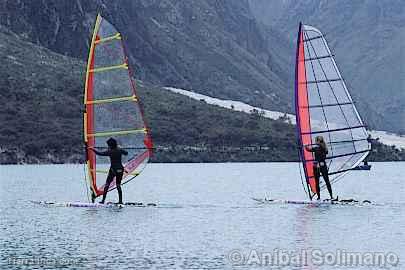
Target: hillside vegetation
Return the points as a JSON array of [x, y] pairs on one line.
[[41, 117], [215, 47]]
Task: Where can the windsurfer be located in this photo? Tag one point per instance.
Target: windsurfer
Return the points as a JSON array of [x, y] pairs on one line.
[[320, 151], [373, 143], [116, 170]]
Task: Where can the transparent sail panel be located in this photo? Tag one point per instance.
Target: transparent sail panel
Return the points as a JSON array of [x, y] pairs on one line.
[[117, 116], [112, 84]]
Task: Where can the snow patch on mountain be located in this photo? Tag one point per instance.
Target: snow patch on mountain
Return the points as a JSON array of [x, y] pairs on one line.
[[384, 136], [234, 105]]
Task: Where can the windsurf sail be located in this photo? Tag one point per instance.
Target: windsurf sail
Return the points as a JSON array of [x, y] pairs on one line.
[[112, 109], [324, 107]]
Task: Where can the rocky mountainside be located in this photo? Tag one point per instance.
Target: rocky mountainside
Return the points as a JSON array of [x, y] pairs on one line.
[[40, 112], [214, 47], [41, 93], [367, 38], [41, 88]]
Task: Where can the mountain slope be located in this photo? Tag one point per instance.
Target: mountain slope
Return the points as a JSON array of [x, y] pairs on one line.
[[214, 46], [41, 116], [367, 40], [39, 91]]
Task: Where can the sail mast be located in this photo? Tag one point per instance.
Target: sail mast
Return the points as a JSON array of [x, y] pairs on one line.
[[88, 125], [302, 112]]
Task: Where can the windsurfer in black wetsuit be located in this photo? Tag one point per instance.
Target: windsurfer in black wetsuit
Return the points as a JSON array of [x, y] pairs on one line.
[[372, 143], [116, 170], [320, 151]]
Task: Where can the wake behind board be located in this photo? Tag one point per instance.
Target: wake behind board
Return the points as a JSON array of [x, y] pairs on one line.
[[322, 202], [94, 205]]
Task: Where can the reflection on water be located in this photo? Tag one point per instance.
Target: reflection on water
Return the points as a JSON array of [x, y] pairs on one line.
[[205, 221]]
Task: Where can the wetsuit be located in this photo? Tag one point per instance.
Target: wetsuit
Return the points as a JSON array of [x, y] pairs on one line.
[[320, 168], [116, 170]]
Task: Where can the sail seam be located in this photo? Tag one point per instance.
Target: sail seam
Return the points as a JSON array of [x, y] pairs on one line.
[[333, 130]]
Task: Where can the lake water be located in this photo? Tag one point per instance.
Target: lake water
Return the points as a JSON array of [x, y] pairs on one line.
[[207, 220]]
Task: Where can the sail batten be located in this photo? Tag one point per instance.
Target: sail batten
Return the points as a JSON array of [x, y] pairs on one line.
[[342, 155], [108, 100], [331, 130], [325, 107], [319, 57], [101, 69], [312, 38], [115, 133], [322, 81], [112, 108]]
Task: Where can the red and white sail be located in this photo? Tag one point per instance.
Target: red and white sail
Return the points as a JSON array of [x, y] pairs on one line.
[[324, 107]]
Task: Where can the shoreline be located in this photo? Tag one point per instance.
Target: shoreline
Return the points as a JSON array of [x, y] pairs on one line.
[[234, 162]]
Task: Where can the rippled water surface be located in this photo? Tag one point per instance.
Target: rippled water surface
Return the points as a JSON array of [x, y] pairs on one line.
[[206, 219]]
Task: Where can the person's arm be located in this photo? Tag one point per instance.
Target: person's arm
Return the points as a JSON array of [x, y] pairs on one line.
[[309, 148], [105, 153], [312, 147], [124, 152]]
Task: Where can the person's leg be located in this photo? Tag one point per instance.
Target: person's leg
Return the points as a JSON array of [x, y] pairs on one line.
[[118, 179], [316, 176], [110, 177], [324, 171], [93, 197]]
